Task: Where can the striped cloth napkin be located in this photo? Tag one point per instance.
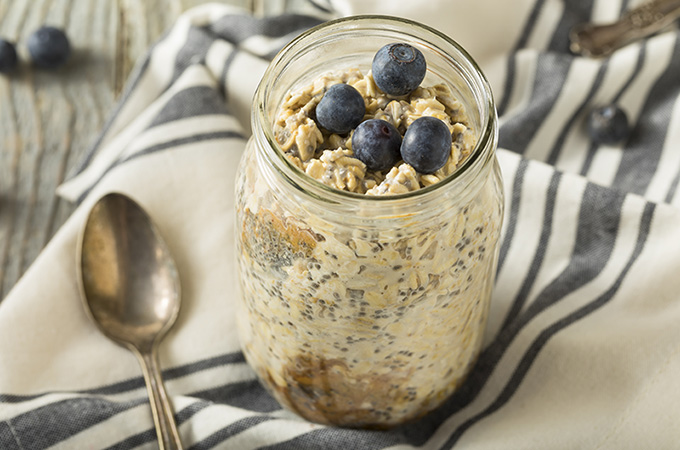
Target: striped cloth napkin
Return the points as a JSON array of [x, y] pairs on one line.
[[582, 348]]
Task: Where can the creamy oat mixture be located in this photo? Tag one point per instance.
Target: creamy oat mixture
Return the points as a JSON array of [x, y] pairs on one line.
[[328, 157], [363, 326]]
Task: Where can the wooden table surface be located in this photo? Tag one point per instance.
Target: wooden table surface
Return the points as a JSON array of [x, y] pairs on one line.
[[49, 118]]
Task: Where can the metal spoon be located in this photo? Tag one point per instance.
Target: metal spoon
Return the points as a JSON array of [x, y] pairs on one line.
[[596, 40], [130, 287]]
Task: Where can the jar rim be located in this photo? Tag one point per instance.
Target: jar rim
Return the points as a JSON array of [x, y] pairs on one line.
[[481, 154]]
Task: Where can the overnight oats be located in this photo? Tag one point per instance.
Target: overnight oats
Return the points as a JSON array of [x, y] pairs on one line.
[[369, 206]]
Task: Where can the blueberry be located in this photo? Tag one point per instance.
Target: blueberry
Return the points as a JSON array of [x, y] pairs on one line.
[[398, 69], [426, 145], [341, 109], [608, 125], [376, 143], [49, 47], [8, 56]]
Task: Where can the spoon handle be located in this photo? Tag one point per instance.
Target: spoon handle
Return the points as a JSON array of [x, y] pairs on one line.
[[163, 418], [601, 40]]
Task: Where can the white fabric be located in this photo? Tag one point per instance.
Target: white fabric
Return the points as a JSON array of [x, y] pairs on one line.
[[606, 380]]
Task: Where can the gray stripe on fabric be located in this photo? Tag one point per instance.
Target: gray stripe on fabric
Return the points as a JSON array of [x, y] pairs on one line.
[[249, 394], [173, 144], [641, 155], [236, 29], [138, 382], [673, 188], [598, 223], [551, 72], [8, 438], [191, 102], [592, 149], [585, 104], [271, 55], [225, 72], [575, 12], [539, 254], [204, 364], [149, 435], [50, 424], [595, 238], [194, 50], [599, 219], [512, 62], [642, 55], [552, 69], [513, 214], [325, 8], [542, 339], [340, 439], [547, 224], [231, 430], [136, 440], [129, 88], [599, 78], [53, 423], [199, 41]]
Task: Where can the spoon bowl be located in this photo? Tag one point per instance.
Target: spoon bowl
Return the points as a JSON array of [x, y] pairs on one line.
[[130, 286]]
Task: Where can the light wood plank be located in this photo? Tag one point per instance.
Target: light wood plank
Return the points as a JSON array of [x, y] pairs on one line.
[[48, 119]]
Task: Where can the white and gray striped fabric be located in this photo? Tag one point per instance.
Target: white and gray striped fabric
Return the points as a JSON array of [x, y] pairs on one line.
[[582, 350]]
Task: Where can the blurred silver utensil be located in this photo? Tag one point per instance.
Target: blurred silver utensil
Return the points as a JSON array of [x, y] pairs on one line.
[[130, 287], [601, 40]]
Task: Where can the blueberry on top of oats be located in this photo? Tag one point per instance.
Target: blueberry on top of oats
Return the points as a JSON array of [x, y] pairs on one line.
[[341, 109], [398, 69], [427, 144], [339, 160], [376, 143]]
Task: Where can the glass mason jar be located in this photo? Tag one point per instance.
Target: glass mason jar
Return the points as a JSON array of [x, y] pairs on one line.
[[358, 310]]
